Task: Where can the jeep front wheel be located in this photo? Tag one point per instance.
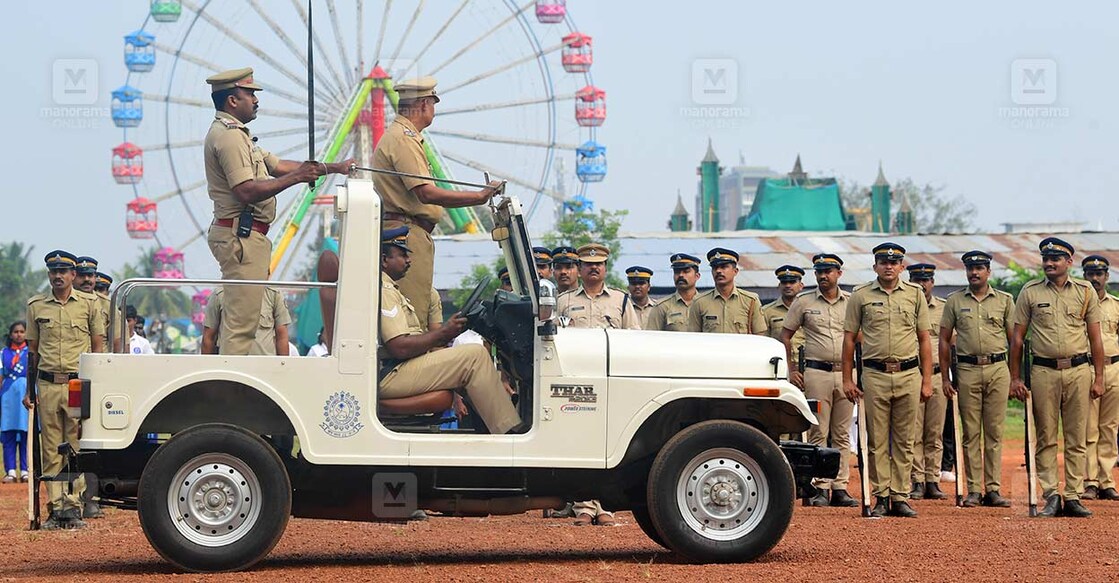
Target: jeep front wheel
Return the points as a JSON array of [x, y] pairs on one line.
[[720, 491], [214, 498]]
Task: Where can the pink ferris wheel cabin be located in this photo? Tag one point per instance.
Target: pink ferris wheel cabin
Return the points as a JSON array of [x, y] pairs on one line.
[[128, 163], [577, 54], [141, 219], [167, 263], [590, 106], [551, 11]]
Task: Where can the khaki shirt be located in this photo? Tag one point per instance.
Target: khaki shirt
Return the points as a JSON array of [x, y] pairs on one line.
[[821, 323], [231, 158], [670, 314], [775, 313], [398, 317], [643, 312], [741, 313], [402, 149], [63, 330], [273, 313], [1109, 324], [435, 309], [936, 310], [611, 308], [980, 325], [1058, 317], [889, 321]]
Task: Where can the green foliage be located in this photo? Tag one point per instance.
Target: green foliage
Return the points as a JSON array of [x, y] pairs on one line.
[[153, 302], [20, 278], [1019, 277], [933, 210], [458, 295]]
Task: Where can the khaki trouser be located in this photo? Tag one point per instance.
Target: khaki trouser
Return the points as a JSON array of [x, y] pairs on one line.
[[53, 421], [416, 283], [1060, 399], [240, 258], [466, 367], [891, 401], [835, 421], [928, 436], [1103, 425], [983, 394], [591, 507]]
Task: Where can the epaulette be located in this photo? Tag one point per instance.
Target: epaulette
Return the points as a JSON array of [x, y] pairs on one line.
[[84, 295], [1032, 283], [770, 304], [939, 299], [409, 133], [1005, 293], [572, 290], [914, 285], [1081, 282], [962, 291], [229, 123], [36, 298], [807, 292], [862, 285]]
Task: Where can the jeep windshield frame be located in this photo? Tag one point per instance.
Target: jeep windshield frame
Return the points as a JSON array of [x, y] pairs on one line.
[[511, 233]]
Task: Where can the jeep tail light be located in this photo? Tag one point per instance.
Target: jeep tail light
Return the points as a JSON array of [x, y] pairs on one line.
[[77, 398], [760, 392]]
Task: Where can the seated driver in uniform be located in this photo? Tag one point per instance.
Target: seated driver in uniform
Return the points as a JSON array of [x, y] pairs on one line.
[[410, 365]]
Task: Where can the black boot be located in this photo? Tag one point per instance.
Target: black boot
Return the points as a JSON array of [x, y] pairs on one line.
[[881, 507], [819, 499], [1074, 509], [1090, 493], [972, 500], [994, 499], [1109, 494], [917, 492], [842, 499], [932, 492], [902, 509], [1052, 506]]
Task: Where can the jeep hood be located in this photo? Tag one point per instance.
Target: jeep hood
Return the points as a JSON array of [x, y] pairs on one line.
[[647, 353]]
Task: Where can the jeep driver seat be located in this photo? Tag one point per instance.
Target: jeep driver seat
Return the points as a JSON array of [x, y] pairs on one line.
[[433, 403]]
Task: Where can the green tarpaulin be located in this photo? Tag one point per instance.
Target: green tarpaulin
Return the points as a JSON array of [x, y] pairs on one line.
[[807, 205]]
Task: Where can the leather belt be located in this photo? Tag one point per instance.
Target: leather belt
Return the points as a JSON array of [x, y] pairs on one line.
[[420, 222], [936, 369], [58, 378], [1113, 359], [822, 365], [982, 358], [258, 226], [1061, 363], [892, 366]]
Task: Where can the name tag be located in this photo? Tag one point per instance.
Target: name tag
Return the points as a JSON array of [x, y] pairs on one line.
[[965, 310], [877, 304], [778, 319], [710, 317], [1044, 305], [813, 312], [576, 308]]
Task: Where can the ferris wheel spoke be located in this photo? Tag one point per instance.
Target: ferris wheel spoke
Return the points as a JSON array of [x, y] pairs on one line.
[[505, 104], [502, 68], [407, 30], [298, 4], [290, 44], [501, 139], [348, 71], [319, 117], [190, 240], [359, 20], [496, 174], [180, 191], [195, 143], [438, 34], [381, 34], [482, 37]]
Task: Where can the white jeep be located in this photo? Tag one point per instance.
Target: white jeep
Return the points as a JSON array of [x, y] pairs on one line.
[[681, 429]]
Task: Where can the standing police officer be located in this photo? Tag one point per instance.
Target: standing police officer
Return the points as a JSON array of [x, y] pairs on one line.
[[726, 308], [595, 304], [61, 325], [789, 284], [893, 317], [565, 268], [542, 257], [818, 316], [416, 202], [639, 292], [980, 317], [928, 446], [1063, 315], [243, 180], [671, 313], [1103, 413]]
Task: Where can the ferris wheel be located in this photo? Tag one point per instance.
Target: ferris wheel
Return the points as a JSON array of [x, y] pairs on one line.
[[518, 102]]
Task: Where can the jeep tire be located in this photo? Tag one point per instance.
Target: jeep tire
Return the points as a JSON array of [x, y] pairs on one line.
[[720, 492]]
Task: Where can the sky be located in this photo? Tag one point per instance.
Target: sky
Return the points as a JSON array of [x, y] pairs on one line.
[[934, 92]]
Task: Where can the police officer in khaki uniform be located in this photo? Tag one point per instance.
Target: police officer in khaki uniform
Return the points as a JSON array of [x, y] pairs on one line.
[[542, 257], [1103, 413], [893, 317], [61, 325], [595, 304], [638, 278], [818, 316], [85, 279], [272, 335], [243, 180], [410, 365], [789, 284], [416, 202], [726, 308], [1063, 317], [980, 317], [928, 444], [565, 268], [671, 313], [503, 277]]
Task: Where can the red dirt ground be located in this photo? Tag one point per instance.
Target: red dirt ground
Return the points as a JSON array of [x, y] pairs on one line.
[[825, 544]]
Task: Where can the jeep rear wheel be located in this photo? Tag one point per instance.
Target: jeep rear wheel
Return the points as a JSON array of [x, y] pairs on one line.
[[720, 491], [214, 498]]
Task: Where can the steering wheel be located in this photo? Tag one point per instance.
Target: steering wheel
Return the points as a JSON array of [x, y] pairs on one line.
[[474, 301]]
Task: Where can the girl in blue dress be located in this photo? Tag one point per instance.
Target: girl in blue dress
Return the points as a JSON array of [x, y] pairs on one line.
[[13, 416]]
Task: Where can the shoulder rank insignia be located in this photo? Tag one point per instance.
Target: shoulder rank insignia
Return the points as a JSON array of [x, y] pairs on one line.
[[409, 133]]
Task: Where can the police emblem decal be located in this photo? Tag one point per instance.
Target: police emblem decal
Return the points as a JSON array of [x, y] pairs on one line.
[[341, 415]]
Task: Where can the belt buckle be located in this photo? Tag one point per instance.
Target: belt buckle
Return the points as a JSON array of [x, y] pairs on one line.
[[61, 378], [892, 367], [1063, 363], [983, 359]]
